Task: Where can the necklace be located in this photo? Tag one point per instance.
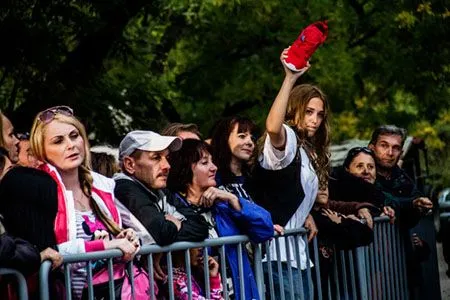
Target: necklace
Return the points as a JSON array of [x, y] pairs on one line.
[[82, 205]]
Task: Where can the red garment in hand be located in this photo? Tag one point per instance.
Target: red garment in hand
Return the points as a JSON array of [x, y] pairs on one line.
[[303, 48]]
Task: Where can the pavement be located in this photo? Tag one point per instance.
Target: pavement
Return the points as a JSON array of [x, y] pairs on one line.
[[443, 278]]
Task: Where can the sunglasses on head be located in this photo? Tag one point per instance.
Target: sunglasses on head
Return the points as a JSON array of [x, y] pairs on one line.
[[357, 150], [49, 114], [23, 136]]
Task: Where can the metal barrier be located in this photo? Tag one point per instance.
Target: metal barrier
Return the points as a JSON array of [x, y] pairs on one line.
[[21, 282], [377, 271]]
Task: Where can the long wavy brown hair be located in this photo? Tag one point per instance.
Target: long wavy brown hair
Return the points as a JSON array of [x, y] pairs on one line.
[[318, 145]]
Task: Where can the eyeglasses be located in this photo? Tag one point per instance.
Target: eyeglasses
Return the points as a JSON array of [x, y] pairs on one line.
[[49, 114]]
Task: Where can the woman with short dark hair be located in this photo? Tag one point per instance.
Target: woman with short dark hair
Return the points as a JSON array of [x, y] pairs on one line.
[[193, 178]]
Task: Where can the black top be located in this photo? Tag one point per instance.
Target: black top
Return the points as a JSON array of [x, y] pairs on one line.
[[143, 203], [344, 186], [279, 191], [29, 203]]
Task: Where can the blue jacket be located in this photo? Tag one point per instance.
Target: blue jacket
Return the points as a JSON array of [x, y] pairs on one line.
[[252, 220]]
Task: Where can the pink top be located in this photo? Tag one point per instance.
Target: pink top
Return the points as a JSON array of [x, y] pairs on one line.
[[180, 282]]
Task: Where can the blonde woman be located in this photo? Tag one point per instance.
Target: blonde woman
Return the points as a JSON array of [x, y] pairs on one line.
[[87, 218]]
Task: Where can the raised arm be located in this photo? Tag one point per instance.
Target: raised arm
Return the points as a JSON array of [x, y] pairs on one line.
[[275, 118]]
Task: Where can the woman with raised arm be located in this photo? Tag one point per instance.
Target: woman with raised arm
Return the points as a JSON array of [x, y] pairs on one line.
[[292, 165]]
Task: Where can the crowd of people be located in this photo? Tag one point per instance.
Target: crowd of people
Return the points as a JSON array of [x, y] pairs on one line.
[[175, 186]]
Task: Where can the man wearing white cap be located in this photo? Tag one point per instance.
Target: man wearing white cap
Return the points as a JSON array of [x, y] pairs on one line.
[[141, 188]]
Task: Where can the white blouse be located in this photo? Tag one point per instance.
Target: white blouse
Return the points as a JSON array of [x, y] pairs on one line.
[[274, 159]]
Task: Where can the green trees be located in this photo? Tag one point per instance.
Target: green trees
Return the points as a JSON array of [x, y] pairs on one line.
[[129, 64]]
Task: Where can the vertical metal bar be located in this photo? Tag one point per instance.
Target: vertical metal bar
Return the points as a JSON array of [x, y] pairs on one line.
[[386, 262], [206, 272], [223, 272], [377, 257], [352, 274], [391, 259], [112, 294], [259, 271], [131, 278], [403, 257], [344, 274], [187, 263], [241, 271], [170, 275], [395, 262], [68, 281], [89, 281], [381, 249], [317, 268], [335, 274], [373, 272], [368, 271], [299, 264], [288, 261], [280, 273], [362, 271], [308, 267], [151, 276], [329, 287], [43, 280], [269, 270]]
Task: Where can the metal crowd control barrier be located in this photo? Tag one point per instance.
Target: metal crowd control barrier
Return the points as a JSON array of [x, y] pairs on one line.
[[377, 271], [22, 291]]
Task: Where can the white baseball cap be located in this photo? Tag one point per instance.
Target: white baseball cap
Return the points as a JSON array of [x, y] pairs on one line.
[[147, 141]]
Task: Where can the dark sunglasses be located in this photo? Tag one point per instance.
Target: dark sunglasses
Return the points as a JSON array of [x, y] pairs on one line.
[[49, 114], [25, 136]]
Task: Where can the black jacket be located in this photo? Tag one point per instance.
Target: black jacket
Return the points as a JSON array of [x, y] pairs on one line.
[[150, 208], [18, 254], [29, 203], [344, 186]]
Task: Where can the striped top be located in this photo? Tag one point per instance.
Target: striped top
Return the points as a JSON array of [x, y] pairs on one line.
[[88, 227]]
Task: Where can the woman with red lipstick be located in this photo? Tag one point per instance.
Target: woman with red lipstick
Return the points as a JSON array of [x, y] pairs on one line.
[[193, 178]]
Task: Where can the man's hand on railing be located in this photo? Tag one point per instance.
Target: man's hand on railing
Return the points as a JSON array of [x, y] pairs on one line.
[[364, 214], [311, 226], [53, 256], [423, 204], [389, 212]]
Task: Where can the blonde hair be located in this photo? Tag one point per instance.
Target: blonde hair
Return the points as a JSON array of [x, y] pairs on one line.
[[84, 170]]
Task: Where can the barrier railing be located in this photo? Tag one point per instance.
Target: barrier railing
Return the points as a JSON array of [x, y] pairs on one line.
[[377, 271], [22, 291]]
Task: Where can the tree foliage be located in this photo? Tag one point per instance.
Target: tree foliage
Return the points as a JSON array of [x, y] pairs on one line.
[[126, 64]]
